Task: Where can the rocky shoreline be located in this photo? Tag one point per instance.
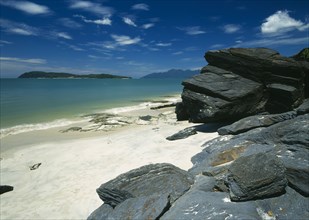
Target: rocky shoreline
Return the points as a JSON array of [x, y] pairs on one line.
[[257, 169]]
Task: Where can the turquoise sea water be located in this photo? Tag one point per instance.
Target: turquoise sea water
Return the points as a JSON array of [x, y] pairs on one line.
[[46, 102]]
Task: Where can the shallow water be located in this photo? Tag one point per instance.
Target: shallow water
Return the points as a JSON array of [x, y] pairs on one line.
[[34, 104]]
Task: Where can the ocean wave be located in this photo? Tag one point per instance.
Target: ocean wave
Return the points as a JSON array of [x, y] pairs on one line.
[[34, 127]]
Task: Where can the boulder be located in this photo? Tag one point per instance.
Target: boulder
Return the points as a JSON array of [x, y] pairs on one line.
[[201, 205], [181, 112], [256, 176], [240, 82], [144, 181], [5, 188], [289, 140], [101, 213], [212, 96], [255, 121], [143, 193], [303, 108], [187, 132], [290, 205], [144, 207]]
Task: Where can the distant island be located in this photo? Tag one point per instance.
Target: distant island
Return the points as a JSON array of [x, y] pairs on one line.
[[172, 73], [56, 75]]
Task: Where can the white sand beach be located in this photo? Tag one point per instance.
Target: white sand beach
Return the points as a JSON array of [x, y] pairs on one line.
[[74, 164]]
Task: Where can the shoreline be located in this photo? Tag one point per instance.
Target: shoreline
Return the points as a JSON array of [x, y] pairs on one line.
[[75, 163], [81, 118]]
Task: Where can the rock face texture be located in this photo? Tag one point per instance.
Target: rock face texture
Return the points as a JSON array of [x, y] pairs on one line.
[[143, 193], [239, 82], [257, 169]]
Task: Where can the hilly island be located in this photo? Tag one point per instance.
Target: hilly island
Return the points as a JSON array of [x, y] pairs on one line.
[[54, 75]]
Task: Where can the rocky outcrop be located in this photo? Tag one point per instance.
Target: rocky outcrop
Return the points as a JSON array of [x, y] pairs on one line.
[[262, 173], [143, 193], [249, 178], [257, 169], [239, 82]]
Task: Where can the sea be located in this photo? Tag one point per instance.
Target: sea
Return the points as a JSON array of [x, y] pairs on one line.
[[37, 104]]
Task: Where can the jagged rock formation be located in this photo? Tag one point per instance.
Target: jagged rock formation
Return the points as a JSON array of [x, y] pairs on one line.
[[239, 82], [257, 169]]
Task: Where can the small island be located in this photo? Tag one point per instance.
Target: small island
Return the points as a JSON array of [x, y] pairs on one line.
[[56, 75]]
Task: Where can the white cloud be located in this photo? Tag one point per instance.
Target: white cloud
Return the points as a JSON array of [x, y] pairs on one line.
[[164, 44], [193, 30], [69, 23], [177, 53], [280, 23], [5, 42], [146, 26], [231, 28], [215, 46], [266, 42], [18, 28], [64, 35], [21, 31], [125, 40], [129, 21], [76, 48], [92, 7], [141, 6], [103, 21], [26, 6], [20, 60]]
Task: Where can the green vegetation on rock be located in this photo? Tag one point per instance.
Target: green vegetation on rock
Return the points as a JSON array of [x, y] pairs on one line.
[[302, 55], [53, 75]]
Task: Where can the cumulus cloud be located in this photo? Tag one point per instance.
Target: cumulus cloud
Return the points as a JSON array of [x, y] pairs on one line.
[[280, 23], [18, 28], [231, 28], [103, 21], [141, 6], [92, 7], [20, 60], [192, 30], [129, 21], [26, 6]]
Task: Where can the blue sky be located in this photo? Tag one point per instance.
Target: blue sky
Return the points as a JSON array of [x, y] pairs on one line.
[[135, 38]]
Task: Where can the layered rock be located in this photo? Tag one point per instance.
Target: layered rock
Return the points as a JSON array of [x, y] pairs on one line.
[[143, 193], [257, 169], [239, 82]]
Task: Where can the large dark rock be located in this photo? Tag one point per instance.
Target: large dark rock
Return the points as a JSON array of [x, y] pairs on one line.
[[255, 121], [212, 96], [239, 82], [147, 180], [143, 193], [187, 132], [145, 207], [5, 188], [101, 213], [257, 64], [256, 176], [290, 205], [201, 205], [288, 140]]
